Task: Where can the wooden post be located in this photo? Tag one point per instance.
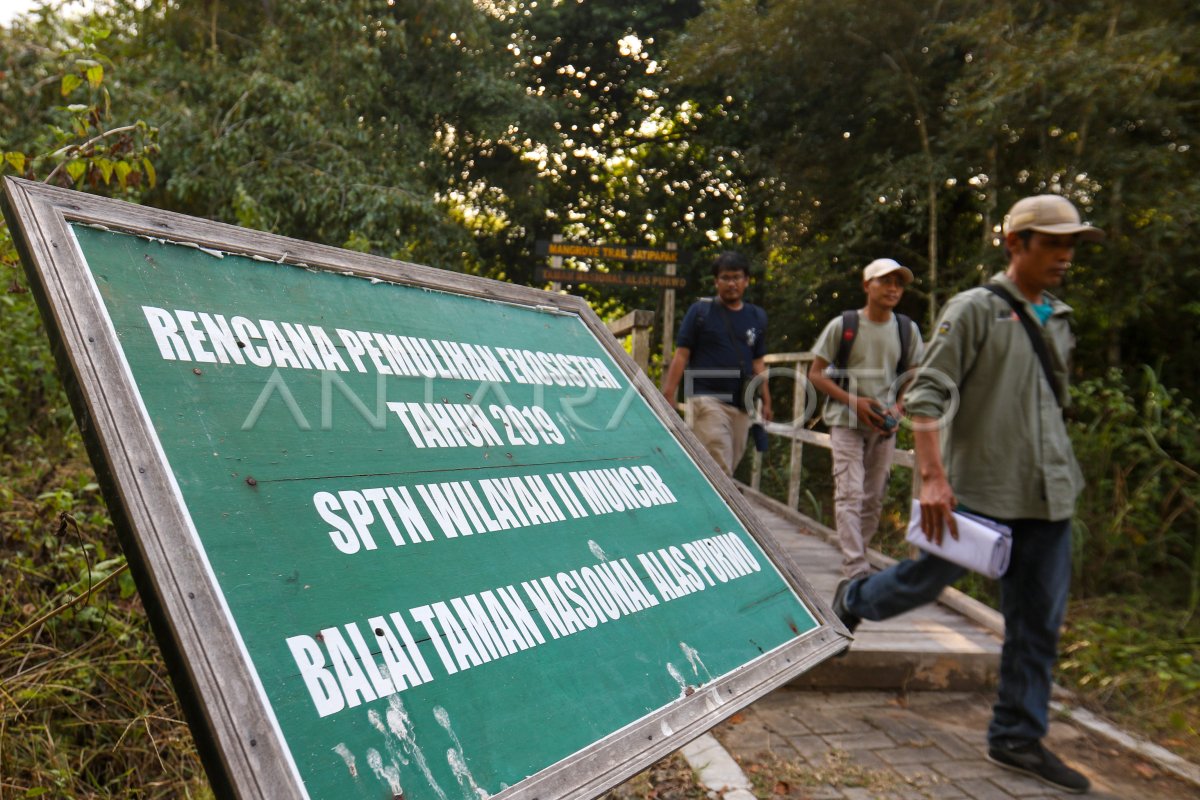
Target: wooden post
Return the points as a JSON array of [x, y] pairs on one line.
[[757, 459], [641, 341], [796, 457], [556, 263], [636, 324], [668, 316]]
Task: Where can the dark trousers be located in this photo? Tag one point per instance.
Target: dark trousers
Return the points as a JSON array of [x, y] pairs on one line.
[[1033, 599]]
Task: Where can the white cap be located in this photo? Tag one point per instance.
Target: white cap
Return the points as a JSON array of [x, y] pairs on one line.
[[886, 266]]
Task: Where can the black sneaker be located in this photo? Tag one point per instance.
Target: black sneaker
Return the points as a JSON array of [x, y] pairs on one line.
[[1036, 761], [848, 619]]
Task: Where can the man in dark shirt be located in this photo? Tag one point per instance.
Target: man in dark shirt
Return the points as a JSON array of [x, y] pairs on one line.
[[720, 350]]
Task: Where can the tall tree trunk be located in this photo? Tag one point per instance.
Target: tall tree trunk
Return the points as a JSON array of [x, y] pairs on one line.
[[931, 190], [212, 25], [1109, 35], [1112, 350], [989, 205], [933, 233]]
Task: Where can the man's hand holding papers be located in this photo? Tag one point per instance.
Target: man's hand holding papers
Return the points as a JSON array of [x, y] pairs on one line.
[[977, 543]]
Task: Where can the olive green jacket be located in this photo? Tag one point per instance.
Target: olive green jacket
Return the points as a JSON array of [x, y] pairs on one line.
[[1005, 445]]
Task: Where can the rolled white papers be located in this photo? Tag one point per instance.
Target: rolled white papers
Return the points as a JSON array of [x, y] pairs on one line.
[[982, 546]]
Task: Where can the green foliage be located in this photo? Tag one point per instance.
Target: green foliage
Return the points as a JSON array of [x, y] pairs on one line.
[[316, 120], [910, 133], [75, 142], [78, 144], [1138, 520], [1131, 657], [611, 154], [32, 403], [86, 710]]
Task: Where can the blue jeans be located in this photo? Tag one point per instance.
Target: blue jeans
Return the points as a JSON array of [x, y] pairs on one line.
[[1033, 599]]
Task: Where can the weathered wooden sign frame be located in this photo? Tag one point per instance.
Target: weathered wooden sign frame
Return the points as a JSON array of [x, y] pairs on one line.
[[232, 717]]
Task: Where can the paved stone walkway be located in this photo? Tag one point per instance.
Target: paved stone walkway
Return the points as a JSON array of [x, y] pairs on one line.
[[797, 743], [882, 739]]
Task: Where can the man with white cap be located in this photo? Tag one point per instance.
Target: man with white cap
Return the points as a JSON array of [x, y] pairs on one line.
[[1000, 355], [860, 358]]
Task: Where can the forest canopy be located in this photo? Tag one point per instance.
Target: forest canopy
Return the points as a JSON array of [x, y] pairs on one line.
[[814, 135]]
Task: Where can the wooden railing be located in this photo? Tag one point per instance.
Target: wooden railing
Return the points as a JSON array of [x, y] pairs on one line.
[[635, 324], [794, 366], [791, 367]]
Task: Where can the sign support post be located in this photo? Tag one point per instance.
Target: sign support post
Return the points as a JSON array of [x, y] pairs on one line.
[[556, 262], [668, 317]]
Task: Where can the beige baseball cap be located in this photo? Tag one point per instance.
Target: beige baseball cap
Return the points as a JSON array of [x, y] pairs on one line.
[[1049, 213], [885, 266]]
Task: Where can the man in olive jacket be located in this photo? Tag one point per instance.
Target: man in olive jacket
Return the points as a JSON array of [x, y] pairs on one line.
[[1005, 454]]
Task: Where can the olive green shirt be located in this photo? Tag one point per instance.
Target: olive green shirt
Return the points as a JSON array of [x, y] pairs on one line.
[[1005, 445]]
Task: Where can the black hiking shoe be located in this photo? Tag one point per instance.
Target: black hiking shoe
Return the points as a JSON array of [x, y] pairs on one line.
[[1030, 758], [848, 619]]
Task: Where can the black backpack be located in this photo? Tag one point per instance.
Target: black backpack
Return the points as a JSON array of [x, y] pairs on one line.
[[837, 370]]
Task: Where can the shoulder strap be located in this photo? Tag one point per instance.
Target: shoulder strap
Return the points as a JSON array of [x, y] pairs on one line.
[[837, 370], [849, 333], [702, 313], [905, 326], [1035, 335]]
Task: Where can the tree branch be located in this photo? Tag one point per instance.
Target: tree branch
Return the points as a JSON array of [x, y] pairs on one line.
[[75, 148]]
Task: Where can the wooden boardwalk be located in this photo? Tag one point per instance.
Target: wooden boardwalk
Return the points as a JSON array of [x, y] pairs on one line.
[[953, 644]]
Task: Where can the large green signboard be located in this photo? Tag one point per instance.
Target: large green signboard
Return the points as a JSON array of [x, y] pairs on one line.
[[405, 533]]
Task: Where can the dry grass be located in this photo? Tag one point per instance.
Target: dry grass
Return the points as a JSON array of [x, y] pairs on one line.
[[776, 778], [672, 778], [86, 708]]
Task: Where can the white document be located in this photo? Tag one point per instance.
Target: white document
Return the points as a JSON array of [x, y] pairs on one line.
[[982, 546]]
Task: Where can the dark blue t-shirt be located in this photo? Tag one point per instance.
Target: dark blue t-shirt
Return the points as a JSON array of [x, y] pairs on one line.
[[718, 361]]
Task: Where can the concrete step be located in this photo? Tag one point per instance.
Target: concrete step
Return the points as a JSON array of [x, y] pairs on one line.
[[934, 647]]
